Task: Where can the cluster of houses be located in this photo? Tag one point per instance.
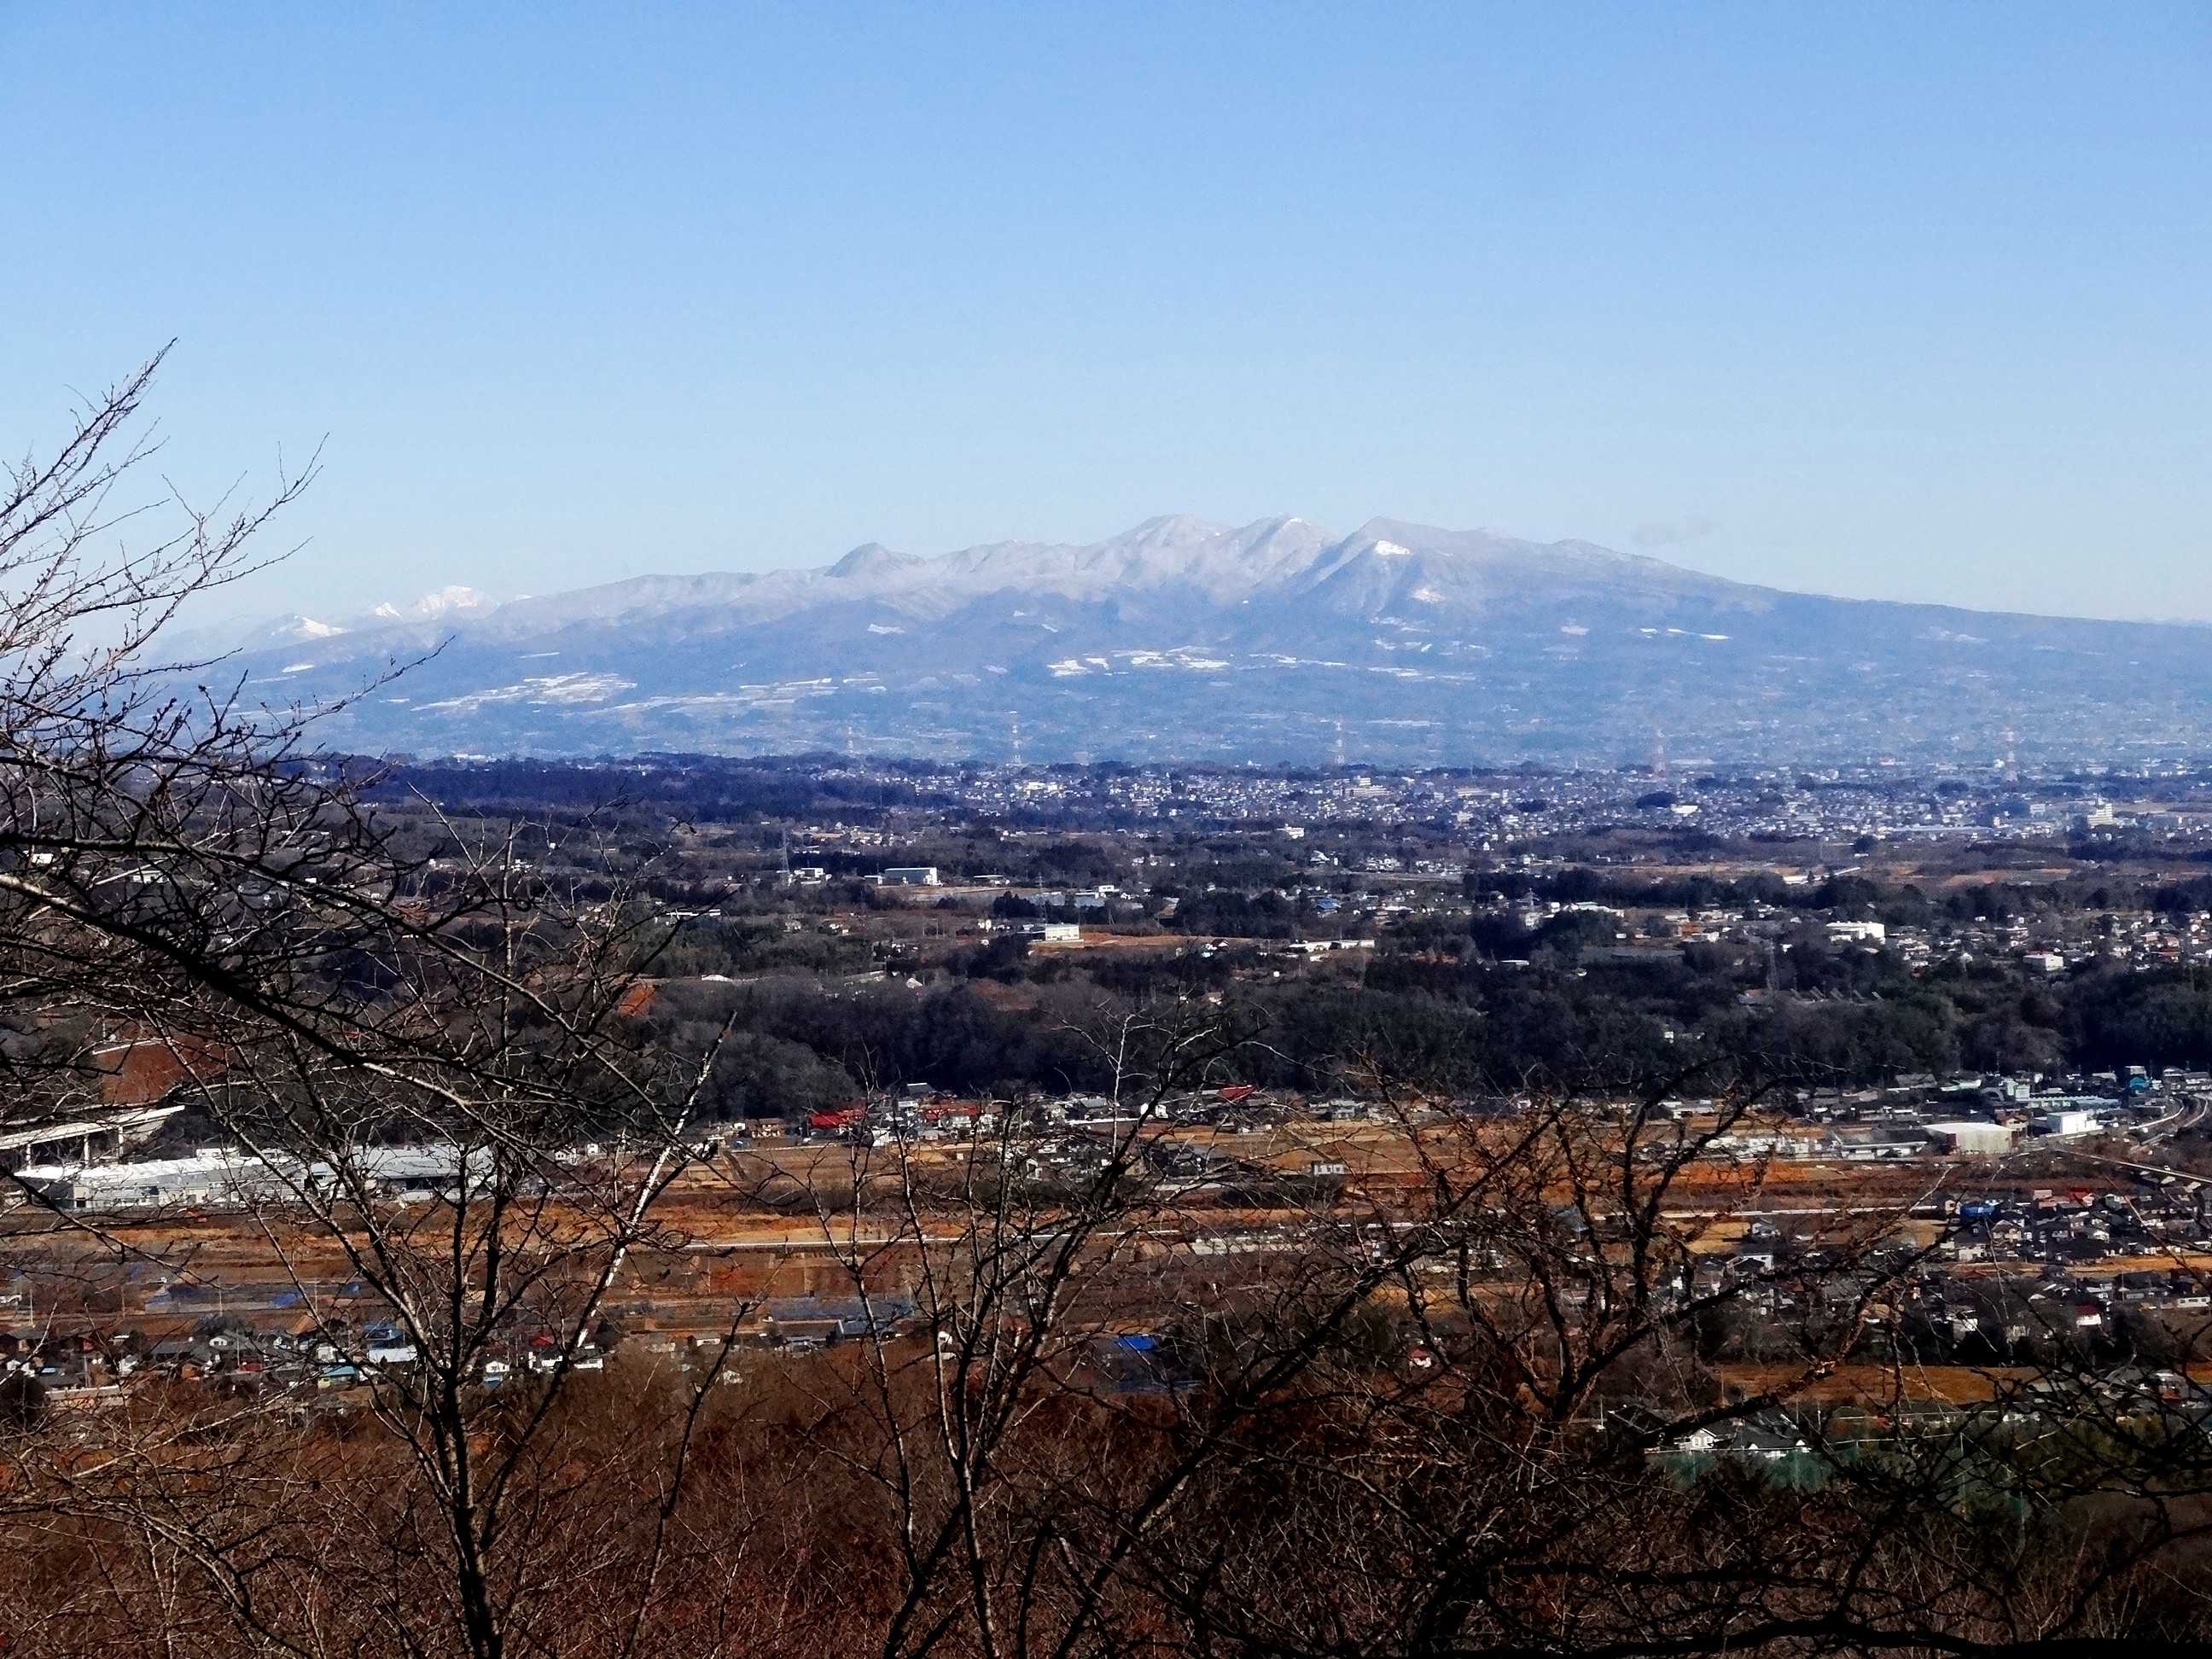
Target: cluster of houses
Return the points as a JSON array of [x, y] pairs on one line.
[[2006, 1275], [322, 1361], [2077, 1228], [920, 1113], [304, 1357]]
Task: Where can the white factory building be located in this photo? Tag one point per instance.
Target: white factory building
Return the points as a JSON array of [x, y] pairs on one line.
[[227, 1177]]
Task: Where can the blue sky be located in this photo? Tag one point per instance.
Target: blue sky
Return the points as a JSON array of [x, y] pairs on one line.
[[1903, 301]]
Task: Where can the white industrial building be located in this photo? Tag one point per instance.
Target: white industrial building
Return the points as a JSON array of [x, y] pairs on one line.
[[2071, 1121], [214, 1177], [226, 1176], [101, 1132], [1972, 1137]]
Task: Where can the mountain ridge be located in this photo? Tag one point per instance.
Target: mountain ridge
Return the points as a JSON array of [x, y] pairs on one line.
[[1180, 636]]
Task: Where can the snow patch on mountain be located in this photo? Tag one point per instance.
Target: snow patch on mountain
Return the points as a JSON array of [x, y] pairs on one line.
[[444, 602], [540, 690]]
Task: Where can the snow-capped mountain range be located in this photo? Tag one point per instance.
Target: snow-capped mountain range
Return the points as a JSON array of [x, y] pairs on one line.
[[1185, 639], [447, 605]]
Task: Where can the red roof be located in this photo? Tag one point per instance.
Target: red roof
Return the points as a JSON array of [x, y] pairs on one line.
[[638, 998], [138, 1072]]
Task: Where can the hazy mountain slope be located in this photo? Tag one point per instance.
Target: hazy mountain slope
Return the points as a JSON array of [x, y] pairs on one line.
[[1182, 638]]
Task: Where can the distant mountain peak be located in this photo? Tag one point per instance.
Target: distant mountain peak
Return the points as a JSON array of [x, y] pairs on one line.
[[1169, 530], [874, 559], [444, 602]]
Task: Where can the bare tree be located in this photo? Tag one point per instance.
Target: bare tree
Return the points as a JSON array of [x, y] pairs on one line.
[[180, 867]]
